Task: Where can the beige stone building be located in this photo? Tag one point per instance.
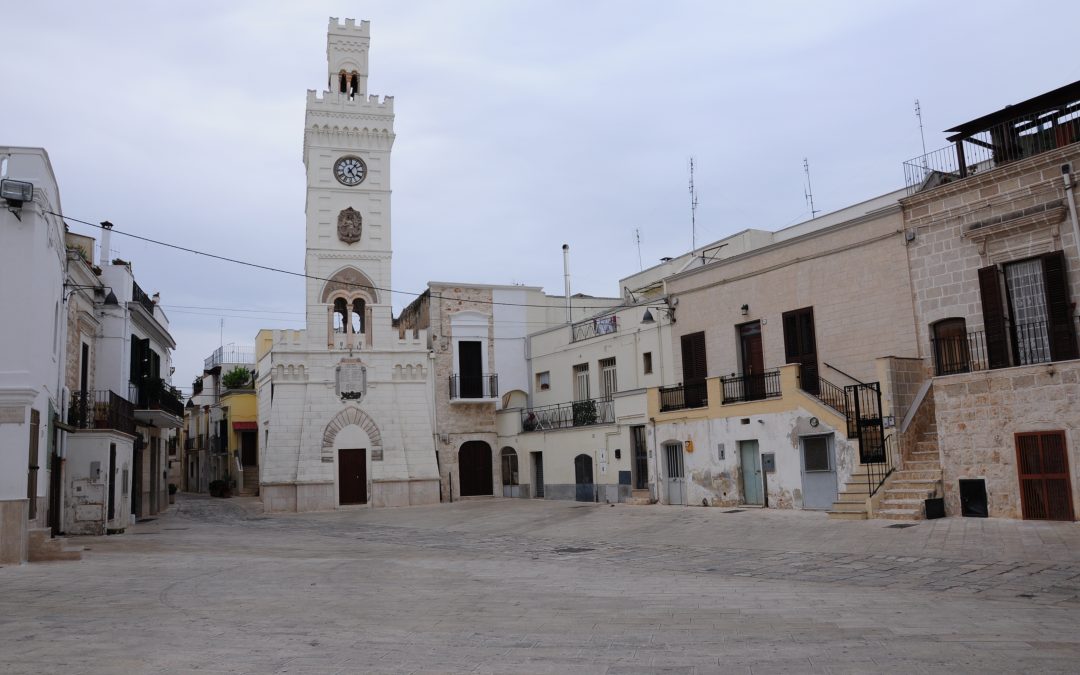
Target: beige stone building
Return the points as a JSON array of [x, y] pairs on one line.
[[993, 232]]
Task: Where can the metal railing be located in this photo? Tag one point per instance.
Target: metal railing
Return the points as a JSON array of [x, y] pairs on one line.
[[101, 409], [155, 394], [751, 387], [568, 415], [832, 396], [683, 397], [474, 386], [1028, 344], [239, 355], [142, 298], [1000, 144], [878, 472], [601, 325]]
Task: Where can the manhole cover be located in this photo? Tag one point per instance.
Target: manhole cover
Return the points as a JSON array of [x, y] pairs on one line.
[[900, 526], [572, 549], [176, 528], [735, 511]]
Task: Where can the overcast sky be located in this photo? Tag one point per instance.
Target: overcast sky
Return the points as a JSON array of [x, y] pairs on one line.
[[520, 126]]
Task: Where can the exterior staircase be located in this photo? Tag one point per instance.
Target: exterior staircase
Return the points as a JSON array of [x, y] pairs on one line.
[[917, 479], [251, 481], [43, 547], [851, 501], [640, 498]]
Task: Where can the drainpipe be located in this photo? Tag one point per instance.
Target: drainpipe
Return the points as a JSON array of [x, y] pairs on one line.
[[1066, 174], [566, 279]]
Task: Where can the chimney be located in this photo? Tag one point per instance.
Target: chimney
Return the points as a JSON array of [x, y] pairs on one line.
[[106, 240]]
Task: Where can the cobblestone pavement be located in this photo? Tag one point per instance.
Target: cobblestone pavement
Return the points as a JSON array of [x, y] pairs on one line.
[[548, 587]]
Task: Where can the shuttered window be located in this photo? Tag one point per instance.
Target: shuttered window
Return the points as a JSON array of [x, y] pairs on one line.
[[993, 307], [694, 367], [1043, 468], [1061, 329]]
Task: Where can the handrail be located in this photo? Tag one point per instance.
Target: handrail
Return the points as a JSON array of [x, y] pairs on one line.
[[832, 367]]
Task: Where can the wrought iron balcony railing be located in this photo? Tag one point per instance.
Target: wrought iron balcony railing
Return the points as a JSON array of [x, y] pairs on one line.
[[101, 409], [751, 387], [230, 354], [474, 386], [683, 397], [1028, 344], [139, 296], [601, 325], [156, 394], [568, 415]]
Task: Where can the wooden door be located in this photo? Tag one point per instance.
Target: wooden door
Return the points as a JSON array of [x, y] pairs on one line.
[[470, 370], [694, 369], [750, 463], [583, 479], [475, 475], [538, 475], [249, 453], [676, 476], [352, 476], [1043, 466], [32, 465], [800, 346], [753, 360]]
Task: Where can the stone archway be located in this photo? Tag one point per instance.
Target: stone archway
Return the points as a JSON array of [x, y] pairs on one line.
[[474, 469], [351, 415]]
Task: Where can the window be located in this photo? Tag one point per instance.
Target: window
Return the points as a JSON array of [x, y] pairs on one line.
[[646, 362], [816, 454], [543, 380], [357, 316], [607, 377], [581, 382], [951, 353], [1027, 305]]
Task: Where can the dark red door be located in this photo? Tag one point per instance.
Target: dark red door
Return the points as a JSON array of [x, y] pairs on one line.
[[352, 476], [1043, 466], [753, 360], [474, 469]]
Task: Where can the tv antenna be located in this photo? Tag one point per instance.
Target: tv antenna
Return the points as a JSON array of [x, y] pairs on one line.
[[922, 137], [808, 192], [637, 238], [693, 208]]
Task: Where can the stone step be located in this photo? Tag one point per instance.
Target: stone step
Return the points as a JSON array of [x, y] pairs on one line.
[[926, 456], [848, 515], [899, 514], [639, 501], [848, 507], [852, 496], [920, 465], [42, 547], [926, 446], [907, 493], [918, 475]]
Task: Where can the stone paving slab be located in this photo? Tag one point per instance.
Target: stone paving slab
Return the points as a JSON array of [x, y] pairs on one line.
[[533, 587]]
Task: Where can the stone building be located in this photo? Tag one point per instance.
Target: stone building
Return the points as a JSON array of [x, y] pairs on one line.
[[995, 272], [346, 405]]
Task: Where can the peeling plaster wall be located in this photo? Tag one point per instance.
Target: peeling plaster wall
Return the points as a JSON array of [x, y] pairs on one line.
[[719, 481]]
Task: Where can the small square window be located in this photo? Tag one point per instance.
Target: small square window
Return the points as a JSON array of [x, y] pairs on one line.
[[816, 453], [543, 380], [646, 362]]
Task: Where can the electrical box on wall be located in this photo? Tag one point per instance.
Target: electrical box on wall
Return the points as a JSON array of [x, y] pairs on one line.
[[768, 461], [720, 451]]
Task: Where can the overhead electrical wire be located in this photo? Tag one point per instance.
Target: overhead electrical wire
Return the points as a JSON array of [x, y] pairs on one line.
[[303, 275]]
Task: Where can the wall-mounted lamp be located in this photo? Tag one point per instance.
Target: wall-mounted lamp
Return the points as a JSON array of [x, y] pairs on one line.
[[744, 310], [647, 318], [15, 192]]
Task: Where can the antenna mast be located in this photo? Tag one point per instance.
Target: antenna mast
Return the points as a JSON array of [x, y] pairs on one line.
[[922, 137], [637, 238], [693, 209], [808, 193]]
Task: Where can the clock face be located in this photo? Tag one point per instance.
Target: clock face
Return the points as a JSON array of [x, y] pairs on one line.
[[350, 170]]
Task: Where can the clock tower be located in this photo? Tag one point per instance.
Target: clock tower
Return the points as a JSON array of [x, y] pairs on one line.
[[348, 136]]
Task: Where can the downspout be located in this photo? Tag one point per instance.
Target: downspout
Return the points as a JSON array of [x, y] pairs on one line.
[[1066, 174]]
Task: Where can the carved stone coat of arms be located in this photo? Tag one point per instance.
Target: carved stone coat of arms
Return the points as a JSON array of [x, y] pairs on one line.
[[349, 224]]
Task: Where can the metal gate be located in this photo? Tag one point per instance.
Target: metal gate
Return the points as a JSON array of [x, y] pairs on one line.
[[641, 457], [864, 421], [1043, 466], [676, 481], [583, 479]]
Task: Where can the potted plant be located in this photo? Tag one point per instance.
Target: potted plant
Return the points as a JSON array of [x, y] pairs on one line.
[[172, 493], [237, 378]]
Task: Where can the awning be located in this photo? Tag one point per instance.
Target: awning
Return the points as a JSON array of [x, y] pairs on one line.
[[245, 426]]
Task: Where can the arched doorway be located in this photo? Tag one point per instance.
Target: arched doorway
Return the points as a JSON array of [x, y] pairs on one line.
[[510, 484], [583, 478], [474, 469]]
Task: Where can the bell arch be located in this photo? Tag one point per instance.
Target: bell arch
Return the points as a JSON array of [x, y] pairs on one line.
[[349, 282]]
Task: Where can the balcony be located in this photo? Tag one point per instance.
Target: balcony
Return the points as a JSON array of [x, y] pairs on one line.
[[229, 354], [139, 296], [751, 387], [157, 403], [684, 397], [101, 409], [568, 415], [1028, 344], [1038, 125], [589, 328], [474, 388]]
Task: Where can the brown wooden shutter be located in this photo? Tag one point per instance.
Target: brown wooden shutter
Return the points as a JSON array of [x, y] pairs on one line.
[[993, 307], [1060, 328], [693, 358], [1042, 465]]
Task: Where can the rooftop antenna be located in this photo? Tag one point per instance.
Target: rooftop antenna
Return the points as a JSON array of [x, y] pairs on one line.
[[693, 209], [637, 238], [808, 193], [922, 137]]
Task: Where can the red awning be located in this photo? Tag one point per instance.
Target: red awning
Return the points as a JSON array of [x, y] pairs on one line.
[[245, 426]]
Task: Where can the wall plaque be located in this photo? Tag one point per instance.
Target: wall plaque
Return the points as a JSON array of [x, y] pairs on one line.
[[351, 380], [12, 415], [376, 454], [349, 225]]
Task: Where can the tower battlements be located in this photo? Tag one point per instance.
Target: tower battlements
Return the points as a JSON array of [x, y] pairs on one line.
[[349, 28], [331, 101]]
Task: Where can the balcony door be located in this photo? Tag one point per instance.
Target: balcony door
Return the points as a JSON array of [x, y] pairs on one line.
[[800, 346], [694, 369], [753, 360], [470, 370]]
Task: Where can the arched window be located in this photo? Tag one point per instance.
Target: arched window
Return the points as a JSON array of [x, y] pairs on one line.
[[356, 318], [951, 351], [340, 315], [343, 82], [355, 84]]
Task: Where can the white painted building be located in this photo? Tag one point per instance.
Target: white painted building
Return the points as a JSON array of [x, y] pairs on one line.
[[345, 406], [32, 256]]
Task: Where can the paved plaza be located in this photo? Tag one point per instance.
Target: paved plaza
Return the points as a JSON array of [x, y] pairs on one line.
[[515, 586]]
